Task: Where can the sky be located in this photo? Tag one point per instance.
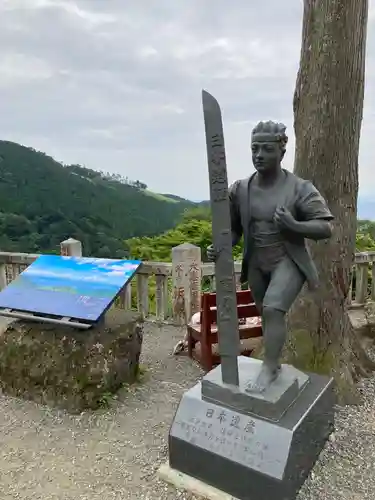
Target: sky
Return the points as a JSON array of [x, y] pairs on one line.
[[115, 85]]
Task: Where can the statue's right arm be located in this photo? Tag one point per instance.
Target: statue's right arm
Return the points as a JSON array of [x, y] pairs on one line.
[[235, 217]]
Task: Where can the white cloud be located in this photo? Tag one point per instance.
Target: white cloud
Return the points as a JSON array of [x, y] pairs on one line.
[[87, 270], [114, 278], [16, 68], [117, 85], [102, 264], [89, 18]]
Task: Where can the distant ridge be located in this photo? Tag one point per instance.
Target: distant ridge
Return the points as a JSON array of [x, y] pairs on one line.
[[176, 198]]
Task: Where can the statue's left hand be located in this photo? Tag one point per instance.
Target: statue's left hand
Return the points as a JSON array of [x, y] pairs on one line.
[[284, 219]]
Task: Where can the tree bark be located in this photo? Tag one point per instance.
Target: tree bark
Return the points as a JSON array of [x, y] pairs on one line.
[[328, 104]]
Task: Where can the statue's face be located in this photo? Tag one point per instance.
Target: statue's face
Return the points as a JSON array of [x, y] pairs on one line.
[[266, 153]]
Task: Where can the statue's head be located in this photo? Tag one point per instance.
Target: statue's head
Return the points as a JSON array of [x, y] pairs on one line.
[[268, 145]]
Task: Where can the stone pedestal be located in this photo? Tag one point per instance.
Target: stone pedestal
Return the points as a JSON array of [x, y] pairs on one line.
[[253, 447]]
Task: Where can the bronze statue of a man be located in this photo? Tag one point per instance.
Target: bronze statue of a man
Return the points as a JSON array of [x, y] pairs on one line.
[[275, 211]]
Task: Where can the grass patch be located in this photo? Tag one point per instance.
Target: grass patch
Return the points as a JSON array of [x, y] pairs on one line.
[[108, 398], [302, 353], [141, 373]]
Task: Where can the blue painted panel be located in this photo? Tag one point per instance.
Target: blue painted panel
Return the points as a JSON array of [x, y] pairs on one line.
[[76, 287]]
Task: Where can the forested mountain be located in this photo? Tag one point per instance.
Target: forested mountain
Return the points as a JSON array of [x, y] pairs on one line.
[[42, 202]]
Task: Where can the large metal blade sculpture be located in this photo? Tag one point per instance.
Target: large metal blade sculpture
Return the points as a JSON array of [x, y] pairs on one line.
[[227, 319]]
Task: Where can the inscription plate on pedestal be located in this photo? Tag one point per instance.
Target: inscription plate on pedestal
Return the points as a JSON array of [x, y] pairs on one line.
[[257, 444]]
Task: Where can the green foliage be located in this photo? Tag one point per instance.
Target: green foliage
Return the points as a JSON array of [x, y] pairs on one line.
[[158, 248], [195, 228], [44, 202], [200, 212], [303, 353], [365, 240]]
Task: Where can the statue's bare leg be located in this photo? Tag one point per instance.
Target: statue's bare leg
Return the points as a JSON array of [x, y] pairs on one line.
[[284, 286], [274, 334]]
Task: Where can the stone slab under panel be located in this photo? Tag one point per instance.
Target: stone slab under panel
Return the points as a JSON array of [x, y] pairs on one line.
[[271, 404], [246, 456]]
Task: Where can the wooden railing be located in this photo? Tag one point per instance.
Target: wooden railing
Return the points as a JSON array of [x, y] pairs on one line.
[[158, 286], [363, 281]]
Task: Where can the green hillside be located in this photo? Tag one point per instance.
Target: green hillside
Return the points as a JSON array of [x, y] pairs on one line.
[[43, 202]]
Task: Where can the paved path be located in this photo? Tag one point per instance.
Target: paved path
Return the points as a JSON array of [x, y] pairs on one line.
[[114, 454]]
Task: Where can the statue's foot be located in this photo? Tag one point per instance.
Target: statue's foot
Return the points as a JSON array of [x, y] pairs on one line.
[[267, 375]]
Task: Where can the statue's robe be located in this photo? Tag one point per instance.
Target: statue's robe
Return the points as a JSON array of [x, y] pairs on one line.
[[305, 203]]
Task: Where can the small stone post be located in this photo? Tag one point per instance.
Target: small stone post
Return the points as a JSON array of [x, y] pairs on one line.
[[71, 248], [187, 278], [3, 277]]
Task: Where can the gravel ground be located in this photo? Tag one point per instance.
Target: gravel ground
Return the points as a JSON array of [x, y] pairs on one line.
[[114, 454]]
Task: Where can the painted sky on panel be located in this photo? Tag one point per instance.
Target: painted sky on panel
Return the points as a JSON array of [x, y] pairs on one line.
[[86, 270]]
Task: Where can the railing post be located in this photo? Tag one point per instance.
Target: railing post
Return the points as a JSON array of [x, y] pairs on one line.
[[349, 298], [187, 278], [166, 304], [373, 281], [71, 248], [3, 277], [361, 282], [238, 281], [125, 298], [142, 294], [160, 297]]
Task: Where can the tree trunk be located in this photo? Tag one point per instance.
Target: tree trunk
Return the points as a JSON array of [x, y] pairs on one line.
[[328, 104]]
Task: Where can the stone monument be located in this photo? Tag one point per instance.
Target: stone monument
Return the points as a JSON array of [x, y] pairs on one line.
[[254, 429]]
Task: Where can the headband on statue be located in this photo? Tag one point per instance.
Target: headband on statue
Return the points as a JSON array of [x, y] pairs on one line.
[[270, 132]]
